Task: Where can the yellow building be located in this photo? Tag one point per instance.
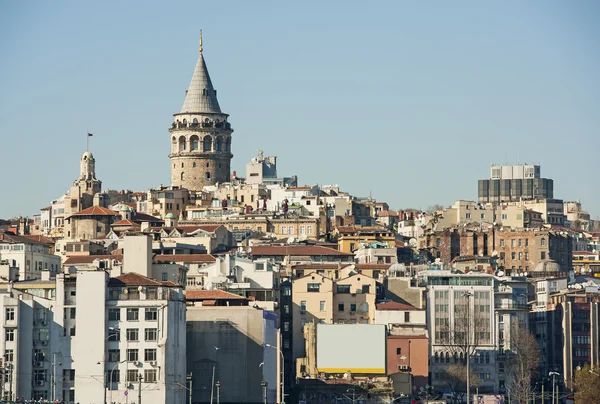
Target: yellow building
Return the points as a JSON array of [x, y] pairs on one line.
[[349, 238], [318, 299]]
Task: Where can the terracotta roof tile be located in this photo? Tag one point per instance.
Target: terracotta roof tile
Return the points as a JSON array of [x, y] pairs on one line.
[[297, 250], [395, 306], [39, 239], [96, 211], [321, 266], [88, 259], [47, 208], [385, 213], [184, 258], [373, 266], [211, 295], [124, 222], [135, 279]]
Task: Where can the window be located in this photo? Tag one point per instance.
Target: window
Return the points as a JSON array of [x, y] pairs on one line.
[[165, 276], [286, 309], [366, 288], [114, 314], [114, 335], [151, 314], [513, 255], [150, 376], [113, 373], [132, 355], [149, 355], [182, 176], [543, 242], [286, 326], [132, 375], [9, 355], [133, 314], [502, 255], [114, 355], [343, 288], [10, 314], [132, 334], [341, 307], [407, 316], [322, 305], [543, 255], [526, 242], [526, 255], [313, 287], [286, 344], [468, 215], [352, 307], [72, 332], [283, 229], [291, 229], [287, 291], [438, 242], [9, 335], [39, 375], [301, 229], [501, 242], [513, 243], [72, 313], [207, 176], [151, 334], [398, 351]]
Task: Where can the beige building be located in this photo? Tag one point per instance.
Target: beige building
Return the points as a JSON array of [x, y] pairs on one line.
[[512, 214], [317, 299]]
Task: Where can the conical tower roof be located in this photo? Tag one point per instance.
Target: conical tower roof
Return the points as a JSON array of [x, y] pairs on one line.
[[201, 96]]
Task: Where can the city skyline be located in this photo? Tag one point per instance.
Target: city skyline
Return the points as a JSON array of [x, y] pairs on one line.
[[124, 84]]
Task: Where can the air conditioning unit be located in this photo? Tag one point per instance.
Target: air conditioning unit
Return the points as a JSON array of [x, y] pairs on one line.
[[44, 343], [39, 383], [152, 363], [44, 322], [38, 364], [352, 312], [402, 367], [136, 363]]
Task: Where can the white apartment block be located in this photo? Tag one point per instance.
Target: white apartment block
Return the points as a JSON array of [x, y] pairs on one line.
[[65, 339], [449, 293], [31, 257]]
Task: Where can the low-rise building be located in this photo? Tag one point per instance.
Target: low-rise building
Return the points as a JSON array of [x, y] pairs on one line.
[[32, 255]]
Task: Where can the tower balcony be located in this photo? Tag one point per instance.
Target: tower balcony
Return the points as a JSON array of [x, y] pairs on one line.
[[210, 154], [201, 126]]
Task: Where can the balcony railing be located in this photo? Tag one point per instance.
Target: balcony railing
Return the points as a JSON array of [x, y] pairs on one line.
[[203, 125], [510, 305]]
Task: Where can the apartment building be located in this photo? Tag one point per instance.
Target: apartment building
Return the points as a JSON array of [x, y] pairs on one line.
[[32, 257], [318, 299], [512, 183], [454, 302]]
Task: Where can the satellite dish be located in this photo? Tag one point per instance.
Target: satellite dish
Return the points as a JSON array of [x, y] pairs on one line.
[[500, 273], [494, 253], [412, 242], [291, 240], [249, 250], [525, 274]]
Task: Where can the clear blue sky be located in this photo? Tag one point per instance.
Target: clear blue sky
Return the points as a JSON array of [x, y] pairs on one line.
[[410, 100]]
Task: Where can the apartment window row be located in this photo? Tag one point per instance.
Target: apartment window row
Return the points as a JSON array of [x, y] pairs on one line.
[[133, 314], [132, 334], [132, 376], [133, 355]]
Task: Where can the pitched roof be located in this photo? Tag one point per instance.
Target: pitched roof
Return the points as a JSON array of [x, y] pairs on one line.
[[135, 279], [372, 266], [124, 222], [47, 208], [322, 266], [395, 306], [211, 295], [385, 213], [184, 258], [11, 237], [201, 96], [96, 211], [39, 239], [88, 259], [296, 250], [142, 217]]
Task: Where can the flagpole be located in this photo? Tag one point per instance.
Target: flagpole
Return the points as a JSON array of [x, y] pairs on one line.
[[87, 141]]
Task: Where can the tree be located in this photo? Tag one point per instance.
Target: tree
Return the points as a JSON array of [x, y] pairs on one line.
[[587, 384], [434, 208], [522, 363], [469, 329]]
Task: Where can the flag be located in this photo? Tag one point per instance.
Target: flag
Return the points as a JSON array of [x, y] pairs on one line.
[[89, 134]]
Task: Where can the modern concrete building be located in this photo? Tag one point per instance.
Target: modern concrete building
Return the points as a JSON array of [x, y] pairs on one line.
[[512, 183], [200, 135], [32, 257]]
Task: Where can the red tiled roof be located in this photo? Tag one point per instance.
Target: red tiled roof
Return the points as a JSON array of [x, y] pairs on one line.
[[11, 237], [304, 188], [211, 295], [88, 259], [47, 208], [385, 213], [124, 222], [296, 250], [130, 204], [322, 266], [184, 258], [135, 279], [373, 266], [346, 229], [395, 306], [39, 239], [96, 211]]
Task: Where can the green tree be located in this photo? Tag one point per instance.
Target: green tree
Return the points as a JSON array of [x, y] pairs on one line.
[[587, 384]]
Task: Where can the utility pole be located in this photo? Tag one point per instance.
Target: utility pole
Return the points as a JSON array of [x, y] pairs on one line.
[[218, 392], [468, 353], [190, 380], [139, 388], [264, 385]]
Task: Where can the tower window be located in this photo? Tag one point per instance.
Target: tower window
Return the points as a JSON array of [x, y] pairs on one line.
[[181, 165], [182, 176], [207, 165], [194, 164], [207, 143], [206, 176], [195, 144]]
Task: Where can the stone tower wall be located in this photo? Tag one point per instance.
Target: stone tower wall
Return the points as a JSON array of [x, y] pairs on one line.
[[195, 168]]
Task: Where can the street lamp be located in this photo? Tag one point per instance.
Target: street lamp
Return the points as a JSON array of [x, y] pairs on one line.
[[110, 379], [218, 384], [468, 353], [553, 385], [282, 365]]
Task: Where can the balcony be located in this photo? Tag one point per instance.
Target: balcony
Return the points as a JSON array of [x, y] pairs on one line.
[[206, 125], [510, 305]]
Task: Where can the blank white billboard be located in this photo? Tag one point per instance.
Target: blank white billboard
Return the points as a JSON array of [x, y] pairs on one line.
[[358, 348]]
